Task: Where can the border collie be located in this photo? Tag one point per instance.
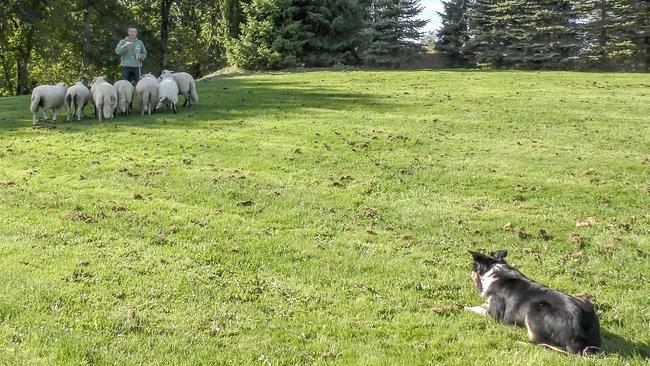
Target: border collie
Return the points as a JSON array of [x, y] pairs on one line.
[[553, 319]]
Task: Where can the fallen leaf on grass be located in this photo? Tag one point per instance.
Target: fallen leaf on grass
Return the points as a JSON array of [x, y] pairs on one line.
[[245, 203], [522, 234], [82, 216], [446, 309], [544, 235], [589, 221], [161, 237], [586, 298], [578, 255], [507, 226], [369, 212], [576, 240]]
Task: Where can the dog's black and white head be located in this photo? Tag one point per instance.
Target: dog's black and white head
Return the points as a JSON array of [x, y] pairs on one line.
[[487, 268]]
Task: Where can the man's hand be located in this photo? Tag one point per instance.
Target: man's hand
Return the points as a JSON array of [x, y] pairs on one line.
[[138, 56]]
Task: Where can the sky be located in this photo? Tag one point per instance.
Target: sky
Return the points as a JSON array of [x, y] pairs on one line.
[[429, 13]]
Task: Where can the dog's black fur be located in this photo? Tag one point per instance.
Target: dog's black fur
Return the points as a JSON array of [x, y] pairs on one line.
[[552, 318]]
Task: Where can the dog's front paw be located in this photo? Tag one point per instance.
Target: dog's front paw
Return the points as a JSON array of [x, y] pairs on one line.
[[477, 309]]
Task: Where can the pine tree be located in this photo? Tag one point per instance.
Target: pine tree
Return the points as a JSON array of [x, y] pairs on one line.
[[269, 36], [482, 42], [453, 34], [334, 31], [523, 33], [614, 33], [393, 31], [545, 36]]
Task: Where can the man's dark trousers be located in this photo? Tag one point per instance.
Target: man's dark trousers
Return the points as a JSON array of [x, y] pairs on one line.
[[131, 73]]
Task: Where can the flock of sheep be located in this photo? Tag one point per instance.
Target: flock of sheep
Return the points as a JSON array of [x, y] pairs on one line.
[[107, 98]]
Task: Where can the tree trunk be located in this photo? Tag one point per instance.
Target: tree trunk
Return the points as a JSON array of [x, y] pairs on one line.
[[7, 69], [22, 62], [165, 6], [87, 48], [603, 39]]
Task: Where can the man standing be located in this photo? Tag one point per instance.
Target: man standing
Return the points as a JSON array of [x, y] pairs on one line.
[[132, 53]]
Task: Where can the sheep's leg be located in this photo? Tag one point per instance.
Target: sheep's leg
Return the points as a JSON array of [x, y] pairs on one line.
[[80, 112], [45, 114], [33, 118], [54, 113]]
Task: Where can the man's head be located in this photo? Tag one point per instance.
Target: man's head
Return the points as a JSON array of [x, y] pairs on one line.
[[133, 31]]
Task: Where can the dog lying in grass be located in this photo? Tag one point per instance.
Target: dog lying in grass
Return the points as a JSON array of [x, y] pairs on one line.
[[553, 319]]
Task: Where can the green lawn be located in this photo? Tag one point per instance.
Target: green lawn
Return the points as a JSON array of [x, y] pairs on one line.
[[324, 218]]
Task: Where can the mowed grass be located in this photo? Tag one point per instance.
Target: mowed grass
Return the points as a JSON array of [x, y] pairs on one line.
[[325, 218]]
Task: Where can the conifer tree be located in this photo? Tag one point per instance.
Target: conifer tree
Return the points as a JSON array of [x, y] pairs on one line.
[[393, 31], [453, 33]]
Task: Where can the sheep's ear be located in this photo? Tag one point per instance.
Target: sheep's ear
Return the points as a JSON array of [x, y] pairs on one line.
[[479, 257], [499, 254]]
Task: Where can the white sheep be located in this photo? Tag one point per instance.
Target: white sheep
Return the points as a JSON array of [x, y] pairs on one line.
[[147, 90], [124, 96], [96, 81], [186, 87], [48, 97], [104, 96], [76, 99], [168, 92]]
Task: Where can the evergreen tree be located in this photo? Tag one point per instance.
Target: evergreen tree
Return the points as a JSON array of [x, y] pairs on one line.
[[269, 36], [453, 34], [545, 35], [614, 33], [334, 31], [482, 42], [523, 33], [393, 31]]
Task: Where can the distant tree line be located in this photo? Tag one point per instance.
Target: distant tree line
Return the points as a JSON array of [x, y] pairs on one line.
[[44, 41], [546, 34]]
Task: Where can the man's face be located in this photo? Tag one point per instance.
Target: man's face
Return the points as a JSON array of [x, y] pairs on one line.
[[133, 33]]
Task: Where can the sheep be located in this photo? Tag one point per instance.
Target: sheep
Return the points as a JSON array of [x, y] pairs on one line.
[[147, 90], [47, 97], [186, 87], [76, 98], [96, 81], [104, 96], [168, 92], [124, 96]]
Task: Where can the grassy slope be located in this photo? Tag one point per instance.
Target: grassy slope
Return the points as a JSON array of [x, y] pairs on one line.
[[324, 217]]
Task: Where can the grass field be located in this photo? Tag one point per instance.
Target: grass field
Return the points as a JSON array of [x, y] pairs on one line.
[[324, 218]]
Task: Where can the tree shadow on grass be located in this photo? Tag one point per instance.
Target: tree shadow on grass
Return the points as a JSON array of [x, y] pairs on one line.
[[614, 344], [221, 100]]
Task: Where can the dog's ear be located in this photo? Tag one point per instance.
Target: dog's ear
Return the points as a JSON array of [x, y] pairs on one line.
[[479, 257], [499, 254]]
